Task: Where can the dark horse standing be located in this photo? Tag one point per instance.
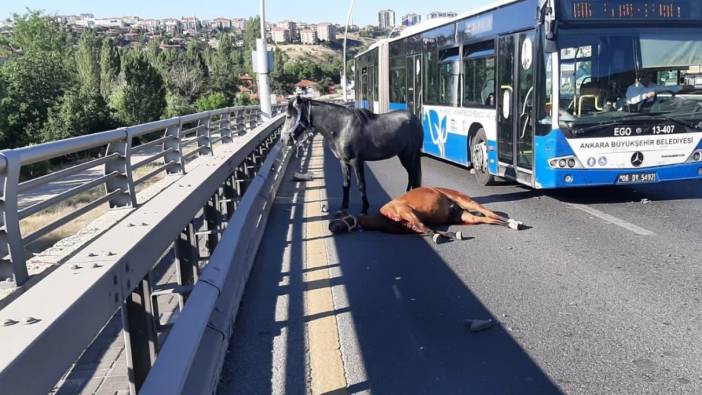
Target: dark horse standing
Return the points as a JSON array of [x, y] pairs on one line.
[[357, 136]]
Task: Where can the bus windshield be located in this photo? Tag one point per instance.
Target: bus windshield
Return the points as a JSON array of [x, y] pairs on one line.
[[610, 74]]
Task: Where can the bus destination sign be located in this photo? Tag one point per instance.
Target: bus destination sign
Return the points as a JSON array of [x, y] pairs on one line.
[[633, 10]]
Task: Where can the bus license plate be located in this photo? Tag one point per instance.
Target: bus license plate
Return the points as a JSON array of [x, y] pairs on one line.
[[637, 178]]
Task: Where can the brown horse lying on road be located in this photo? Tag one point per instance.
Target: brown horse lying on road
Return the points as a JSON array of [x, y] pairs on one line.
[[420, 208]]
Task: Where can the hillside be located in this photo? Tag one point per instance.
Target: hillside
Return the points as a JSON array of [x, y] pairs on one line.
[[322, 53]]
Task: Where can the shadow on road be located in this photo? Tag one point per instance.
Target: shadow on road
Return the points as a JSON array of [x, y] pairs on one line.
[[408, 309], [267, 350]]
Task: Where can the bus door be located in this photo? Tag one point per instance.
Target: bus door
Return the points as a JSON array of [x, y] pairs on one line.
[[414, 84], [363, 88], [515, 106]]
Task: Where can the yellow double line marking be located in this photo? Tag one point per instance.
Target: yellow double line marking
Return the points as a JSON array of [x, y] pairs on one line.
[[326, 363]]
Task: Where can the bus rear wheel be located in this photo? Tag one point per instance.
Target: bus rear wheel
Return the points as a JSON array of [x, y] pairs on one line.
[[479, 159]]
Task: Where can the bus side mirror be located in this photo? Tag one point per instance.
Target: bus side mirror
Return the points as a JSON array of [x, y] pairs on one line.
[[545, 17]]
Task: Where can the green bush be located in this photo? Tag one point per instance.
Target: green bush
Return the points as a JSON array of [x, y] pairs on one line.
[[213, 101]]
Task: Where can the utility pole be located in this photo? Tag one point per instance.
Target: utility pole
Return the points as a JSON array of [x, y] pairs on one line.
[[262, 66], [346, 33]]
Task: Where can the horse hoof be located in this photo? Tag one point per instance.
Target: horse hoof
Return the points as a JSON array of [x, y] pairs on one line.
[[515, 225], [341, 213], [439, 239]]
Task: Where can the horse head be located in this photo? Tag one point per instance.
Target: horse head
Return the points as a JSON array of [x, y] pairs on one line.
[[297, 118]]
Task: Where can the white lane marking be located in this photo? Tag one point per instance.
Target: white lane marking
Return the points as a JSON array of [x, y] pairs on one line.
[[397, 293], [612, 219]]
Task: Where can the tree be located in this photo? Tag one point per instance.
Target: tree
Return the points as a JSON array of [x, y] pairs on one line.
[[33, 83], [141, 96], [109, 67], [224, 73], [88, 62], [33, 78], [185, 80], [282, 80], [251, 33], [213, 101], [34, 32], [243, 100], [186, 72], [177, 106], [80, 111]]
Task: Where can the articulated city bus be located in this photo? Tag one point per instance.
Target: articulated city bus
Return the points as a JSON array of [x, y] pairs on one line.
[[551, 93]]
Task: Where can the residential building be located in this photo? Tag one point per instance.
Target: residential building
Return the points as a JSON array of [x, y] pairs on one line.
[[109, 22], [280, 36], [190, 23], [308, 36], [411, 19], [150, 25], [291, 27], [222, 23], [326, 32], [171, 25], [386, 19], [131, 20], [239, 23], [441, 14], [86, 22]]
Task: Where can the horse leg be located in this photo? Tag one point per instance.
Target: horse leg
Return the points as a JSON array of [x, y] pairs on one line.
[[417, 172], [466, 203], [358, 165], [409, 167], [346, 179], [469, 219]]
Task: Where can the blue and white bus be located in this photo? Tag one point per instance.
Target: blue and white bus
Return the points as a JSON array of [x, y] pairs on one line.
[[551, 93]]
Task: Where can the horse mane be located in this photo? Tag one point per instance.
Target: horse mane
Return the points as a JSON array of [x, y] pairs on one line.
[[362, 115]]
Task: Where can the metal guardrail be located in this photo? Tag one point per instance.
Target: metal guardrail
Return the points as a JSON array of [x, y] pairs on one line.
[[191, 360], [176, 140], [225, 199]]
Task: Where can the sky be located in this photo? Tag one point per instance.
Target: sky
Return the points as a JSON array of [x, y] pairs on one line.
[[365, 11]]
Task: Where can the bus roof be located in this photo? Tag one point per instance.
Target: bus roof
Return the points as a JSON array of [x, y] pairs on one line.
[[434, 23]]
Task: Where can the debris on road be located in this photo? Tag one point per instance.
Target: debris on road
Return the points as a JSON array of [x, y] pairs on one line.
[[303, 177], [479, 325]]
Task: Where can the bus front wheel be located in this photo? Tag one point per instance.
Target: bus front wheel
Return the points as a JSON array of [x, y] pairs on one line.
[[479, 159]]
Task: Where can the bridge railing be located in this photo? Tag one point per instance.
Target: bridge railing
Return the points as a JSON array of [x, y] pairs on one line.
[[191, 359], [129, 157], [225, 200]]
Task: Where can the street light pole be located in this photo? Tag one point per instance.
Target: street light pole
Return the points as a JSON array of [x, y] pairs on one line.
[[346, 33], [264, 90]]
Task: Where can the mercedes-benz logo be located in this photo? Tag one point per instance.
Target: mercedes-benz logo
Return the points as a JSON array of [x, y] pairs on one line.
[[637, 159]]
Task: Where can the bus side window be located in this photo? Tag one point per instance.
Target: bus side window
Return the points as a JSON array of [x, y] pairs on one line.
[[479, 75], [398, 91]]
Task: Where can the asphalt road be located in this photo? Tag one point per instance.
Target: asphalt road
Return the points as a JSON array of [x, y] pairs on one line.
[[600, 295]]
